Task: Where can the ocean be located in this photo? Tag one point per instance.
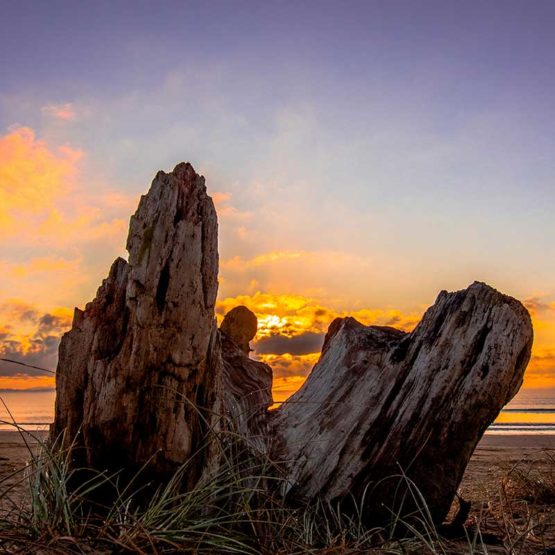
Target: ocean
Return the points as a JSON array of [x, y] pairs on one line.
[[532, 411], [32, 410]]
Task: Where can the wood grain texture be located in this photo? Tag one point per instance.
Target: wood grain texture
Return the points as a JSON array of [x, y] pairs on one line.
[[380, 402], [138, 373]]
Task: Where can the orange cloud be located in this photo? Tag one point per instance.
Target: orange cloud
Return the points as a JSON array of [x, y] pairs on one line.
[[70, 233], [86, 222], [290, 315], [42, 201], [32, 176], [291, 329], [40, 265], [238, 263], [44, 280], [24, 320], [30, 335]]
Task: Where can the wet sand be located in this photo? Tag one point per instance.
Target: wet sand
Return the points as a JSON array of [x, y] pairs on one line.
[[15, 452], [497, 454]]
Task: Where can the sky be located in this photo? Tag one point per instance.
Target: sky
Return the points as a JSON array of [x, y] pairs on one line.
[[362, 156]]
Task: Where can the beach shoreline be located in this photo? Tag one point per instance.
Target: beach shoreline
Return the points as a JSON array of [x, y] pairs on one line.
[[488, 480], [493, 449], [495, 455]]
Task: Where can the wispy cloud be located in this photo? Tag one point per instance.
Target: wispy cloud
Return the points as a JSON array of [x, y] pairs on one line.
[[62, 112], [537, 305], [68, 231], [313, 273], [32, 177]]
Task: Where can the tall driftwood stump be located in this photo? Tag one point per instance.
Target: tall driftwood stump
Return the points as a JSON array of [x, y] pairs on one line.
[[145, 377]]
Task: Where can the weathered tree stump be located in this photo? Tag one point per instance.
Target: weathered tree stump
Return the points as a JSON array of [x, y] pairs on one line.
[[144, 376], [380, 403], [139, 372]]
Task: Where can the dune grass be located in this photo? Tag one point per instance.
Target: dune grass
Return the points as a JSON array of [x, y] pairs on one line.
[[237, 510]]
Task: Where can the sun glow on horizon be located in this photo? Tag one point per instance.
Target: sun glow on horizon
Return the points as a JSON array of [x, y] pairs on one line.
[[53, 269]]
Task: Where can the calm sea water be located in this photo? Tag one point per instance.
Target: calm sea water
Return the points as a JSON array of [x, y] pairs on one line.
[[31, 409], [532, 411]]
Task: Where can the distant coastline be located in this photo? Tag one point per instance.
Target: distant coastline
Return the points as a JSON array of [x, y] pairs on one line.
[[30, 390]]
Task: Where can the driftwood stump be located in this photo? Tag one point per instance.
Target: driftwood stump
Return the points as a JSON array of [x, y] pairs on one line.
[[144, 376], [139, 372], [380, 402]]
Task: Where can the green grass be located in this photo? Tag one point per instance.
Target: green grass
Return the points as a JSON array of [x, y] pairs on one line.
[[235, 510]]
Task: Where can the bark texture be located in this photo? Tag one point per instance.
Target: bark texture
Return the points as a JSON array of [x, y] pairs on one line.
[[380, 402], [247, 394], [139, 370], [247, 383], [144, 374]]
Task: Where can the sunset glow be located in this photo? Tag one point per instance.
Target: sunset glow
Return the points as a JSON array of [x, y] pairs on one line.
[[277, 276], [358, 184]]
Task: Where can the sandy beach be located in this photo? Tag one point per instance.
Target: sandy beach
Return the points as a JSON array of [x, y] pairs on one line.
[[497, 454], [15, 452], [492, 482], [494, 457]]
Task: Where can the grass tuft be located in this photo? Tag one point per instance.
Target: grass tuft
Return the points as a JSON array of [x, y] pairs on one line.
[[237, 509]]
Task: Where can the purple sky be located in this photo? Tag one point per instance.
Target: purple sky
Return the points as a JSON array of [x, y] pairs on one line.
[[402, 147]]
